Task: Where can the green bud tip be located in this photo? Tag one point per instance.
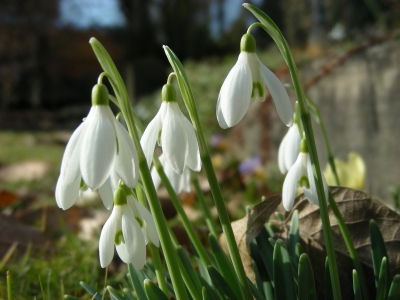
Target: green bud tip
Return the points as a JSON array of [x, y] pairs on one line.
[[100, 95], [303, 146], [248, 43], [168, 93], [120, 196]]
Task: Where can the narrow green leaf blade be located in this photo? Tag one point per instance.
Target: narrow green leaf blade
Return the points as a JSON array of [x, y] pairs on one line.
[[356, 286], [328, 284], [220, 283], [306, 279], [115, 294], [294, 236], [378, 250], [267, 251], [265, 285], [255, 292], [189, 268], [136, 278], [128, 294], [153, 291], [91, 291], [213, 295], [224, 265], [283, 275], [394, 292], [382, 289]]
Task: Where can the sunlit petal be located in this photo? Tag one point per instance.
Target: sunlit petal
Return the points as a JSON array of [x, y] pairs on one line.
[[193, 159], [258, 88], [106, 194], [235, 94], [98, 147], [150, 225], [290, 185], [279, 94], [149, 138], [106, 243], [126, 163], [174, 138]]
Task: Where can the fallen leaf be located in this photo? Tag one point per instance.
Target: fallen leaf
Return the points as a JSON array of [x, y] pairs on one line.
[[247, 228], [7, 198], [357, 209]]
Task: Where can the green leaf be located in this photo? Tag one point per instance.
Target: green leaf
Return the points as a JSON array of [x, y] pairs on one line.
[[136, 278], [294, 236], [69, 297], [189, 268], [220, 283], [91, 291], [283, 275], [382, 287], [260, 270], [115, 294], [394, 292], [306, 279], [224, 265], [153, 291], [128, 294], [255, 291], [356, 286], [213, 295], [378, 250], [267, 251], [327, 282]]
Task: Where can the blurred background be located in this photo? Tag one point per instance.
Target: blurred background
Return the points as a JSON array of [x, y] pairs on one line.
[[346, 50]]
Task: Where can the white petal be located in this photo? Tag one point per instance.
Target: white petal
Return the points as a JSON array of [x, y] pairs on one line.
[[193, 159], [185, 181], [281, 154], [106, 194], [290, 185], [156, 178], [149, 138], [279, 94], [70, 163], [98, 146], [235, 94], [256, 76], [174, 138], [151, 229], [106, 243], [311, 193], [67, 194], [126, 163], [134, 250]]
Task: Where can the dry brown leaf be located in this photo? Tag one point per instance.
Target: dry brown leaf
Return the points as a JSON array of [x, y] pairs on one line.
[[357, 209], [247, 228]]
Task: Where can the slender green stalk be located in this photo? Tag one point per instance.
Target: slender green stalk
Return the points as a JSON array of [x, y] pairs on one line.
[[342, 225], [188, 98], [160, 222], [181, 212], [331, 159], [270, 27], [188, 281], [206, 210], [155, 254], [9, 292]]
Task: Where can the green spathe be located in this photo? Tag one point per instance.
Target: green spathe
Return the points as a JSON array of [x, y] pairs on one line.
[[168, 93], [120, 196], [248, 43], [100, 95]]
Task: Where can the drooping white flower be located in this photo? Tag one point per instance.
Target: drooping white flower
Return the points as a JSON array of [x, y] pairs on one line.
[[301, 175], [247, 81], [122, 230], [98, 146], [289, 149], [180, 182], [175, 134]]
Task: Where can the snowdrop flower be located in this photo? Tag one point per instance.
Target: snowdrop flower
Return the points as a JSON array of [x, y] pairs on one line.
[[123, 230], [98, 146], [180, 182], [289, 149], [301, 174], [175, 134], [246, 82]]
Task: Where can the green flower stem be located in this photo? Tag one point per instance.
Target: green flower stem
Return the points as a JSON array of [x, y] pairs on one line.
[[121, 93], [342, 225], [270, 27], [155, 254], [206, 210], [331, 159], [9, 292], [181, 212], [188, 98]]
